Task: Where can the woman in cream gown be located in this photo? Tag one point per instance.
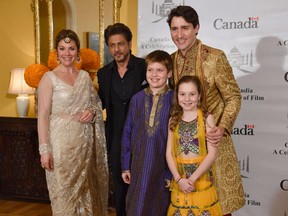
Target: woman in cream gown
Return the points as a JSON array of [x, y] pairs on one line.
[[71, 136]]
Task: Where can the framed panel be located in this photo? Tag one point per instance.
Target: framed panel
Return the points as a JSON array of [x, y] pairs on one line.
[[93, 42]]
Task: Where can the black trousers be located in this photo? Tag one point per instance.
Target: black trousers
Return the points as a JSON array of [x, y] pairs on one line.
[[119, 187]]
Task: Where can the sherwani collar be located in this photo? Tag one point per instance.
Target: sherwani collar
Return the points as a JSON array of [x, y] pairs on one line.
[[155, 102]]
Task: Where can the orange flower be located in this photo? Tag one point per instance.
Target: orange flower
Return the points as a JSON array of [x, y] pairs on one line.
[[90, 60], [33, 74], [52, 61]]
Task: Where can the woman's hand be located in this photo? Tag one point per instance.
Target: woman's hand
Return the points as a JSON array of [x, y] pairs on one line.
[[87, 116], [47, 161]]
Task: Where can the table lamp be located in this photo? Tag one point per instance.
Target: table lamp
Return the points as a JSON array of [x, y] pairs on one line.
[[18, 86]]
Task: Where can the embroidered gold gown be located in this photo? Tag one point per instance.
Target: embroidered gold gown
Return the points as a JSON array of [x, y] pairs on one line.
[[78, 183], [223, 100]]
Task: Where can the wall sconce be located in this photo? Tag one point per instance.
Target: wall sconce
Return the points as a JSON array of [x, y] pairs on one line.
[[18, 86]]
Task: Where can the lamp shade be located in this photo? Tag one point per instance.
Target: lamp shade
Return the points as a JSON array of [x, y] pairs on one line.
[[18, 86], [17, 83]]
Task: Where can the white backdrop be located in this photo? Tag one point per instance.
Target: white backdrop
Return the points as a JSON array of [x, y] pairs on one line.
[[254, 36]]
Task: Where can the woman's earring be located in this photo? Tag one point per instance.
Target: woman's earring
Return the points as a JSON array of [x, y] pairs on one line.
[[78, 59]]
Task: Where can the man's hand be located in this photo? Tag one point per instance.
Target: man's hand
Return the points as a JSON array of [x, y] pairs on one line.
[[215, 135]]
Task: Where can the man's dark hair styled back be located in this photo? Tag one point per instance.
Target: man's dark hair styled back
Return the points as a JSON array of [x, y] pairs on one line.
[[115, 29], [187, 12]]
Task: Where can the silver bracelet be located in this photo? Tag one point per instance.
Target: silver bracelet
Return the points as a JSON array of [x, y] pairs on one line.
[[44, 148], [91, 108]]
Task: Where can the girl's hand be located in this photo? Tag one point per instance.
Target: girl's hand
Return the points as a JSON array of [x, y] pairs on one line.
[[47, 161], [186, 185]]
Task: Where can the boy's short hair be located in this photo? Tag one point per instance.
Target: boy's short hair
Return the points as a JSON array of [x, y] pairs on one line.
[[161, 57]]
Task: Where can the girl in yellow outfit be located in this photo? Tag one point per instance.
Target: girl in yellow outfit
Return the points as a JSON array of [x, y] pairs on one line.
[[189, 156]]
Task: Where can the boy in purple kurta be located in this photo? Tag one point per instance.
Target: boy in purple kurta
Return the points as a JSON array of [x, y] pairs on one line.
[[144, 140]]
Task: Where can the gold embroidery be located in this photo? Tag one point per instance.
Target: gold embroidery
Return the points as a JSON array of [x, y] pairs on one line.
[[153, 120], [154, 106]]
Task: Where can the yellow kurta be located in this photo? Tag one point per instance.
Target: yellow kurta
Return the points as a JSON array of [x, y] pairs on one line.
[[223, 100]]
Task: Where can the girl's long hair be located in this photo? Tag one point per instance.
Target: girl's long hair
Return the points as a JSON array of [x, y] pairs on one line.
[[177, 110]]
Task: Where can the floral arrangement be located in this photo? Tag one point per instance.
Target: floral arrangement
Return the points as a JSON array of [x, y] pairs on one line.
[[52, 59], [90, 62], [33, 74]]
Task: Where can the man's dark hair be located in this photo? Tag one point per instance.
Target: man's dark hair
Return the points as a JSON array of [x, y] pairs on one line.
[[187, 12], [117, 28]]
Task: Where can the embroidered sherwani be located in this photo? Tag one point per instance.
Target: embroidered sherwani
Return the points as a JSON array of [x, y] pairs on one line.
[[223, 100], [143, 153]]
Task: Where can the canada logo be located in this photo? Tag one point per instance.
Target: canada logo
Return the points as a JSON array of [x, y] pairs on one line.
[[247, 130]]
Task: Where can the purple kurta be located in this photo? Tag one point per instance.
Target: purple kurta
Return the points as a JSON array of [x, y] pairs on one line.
[[143, 153]]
